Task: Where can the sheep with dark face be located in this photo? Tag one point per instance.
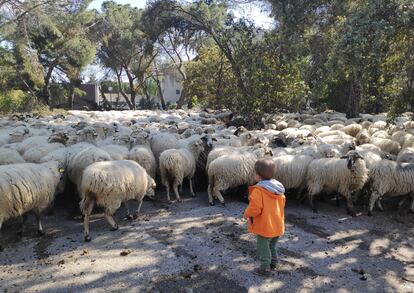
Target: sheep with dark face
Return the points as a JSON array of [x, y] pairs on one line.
[[345, 175]]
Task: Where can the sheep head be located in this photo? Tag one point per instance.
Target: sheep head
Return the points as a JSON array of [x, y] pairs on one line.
[[351, 158], [151, 185]]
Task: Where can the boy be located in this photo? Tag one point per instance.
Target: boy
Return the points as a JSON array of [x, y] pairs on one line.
[[265, 214]]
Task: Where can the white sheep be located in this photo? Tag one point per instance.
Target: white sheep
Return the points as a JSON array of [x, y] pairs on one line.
[[116, 152], [388, 178], [178, 164], [9, 156], [34, 154], [27, 187], [81, 156], [143, 155], [32, 142], [352, 129], [109, 184], [406, 155], [232, 171], [363, 137], [386, 145], [291, 171], [343, 176], [161, 142]]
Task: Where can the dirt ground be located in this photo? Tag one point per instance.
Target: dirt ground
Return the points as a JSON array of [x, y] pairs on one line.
[[192, 247]]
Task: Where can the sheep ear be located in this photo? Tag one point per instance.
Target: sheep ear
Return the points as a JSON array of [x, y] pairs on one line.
[[214, 139], [350, 162]]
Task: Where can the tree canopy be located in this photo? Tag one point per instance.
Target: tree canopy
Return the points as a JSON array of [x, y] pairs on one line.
[[350, 56]]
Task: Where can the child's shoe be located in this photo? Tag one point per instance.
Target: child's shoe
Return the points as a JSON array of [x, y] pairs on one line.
[[274, 264], [262, 272]]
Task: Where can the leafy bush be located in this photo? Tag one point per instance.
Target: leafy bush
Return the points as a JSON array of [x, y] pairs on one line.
[[13, 101]]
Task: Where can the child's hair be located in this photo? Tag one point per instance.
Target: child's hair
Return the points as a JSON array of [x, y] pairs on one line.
[[265, 168]]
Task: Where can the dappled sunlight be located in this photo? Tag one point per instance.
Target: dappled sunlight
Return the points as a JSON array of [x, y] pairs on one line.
[[379, 246]]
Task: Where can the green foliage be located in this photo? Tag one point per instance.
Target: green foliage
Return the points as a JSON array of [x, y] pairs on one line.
[[13, 101], [193, 102]]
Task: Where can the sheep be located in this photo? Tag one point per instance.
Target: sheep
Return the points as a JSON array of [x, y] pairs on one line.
[[388, 178], [143, 155], [34, 154], [109, 184], [18, 134], [381, 134], [344, 176], [232, 171], [387, 145], [291, 171], [116, 152], [352, 129], [27, 187], [406, 155], [161, 142], [9, 156], [363, 137], [32, 142], [177, 164], [81, 157]]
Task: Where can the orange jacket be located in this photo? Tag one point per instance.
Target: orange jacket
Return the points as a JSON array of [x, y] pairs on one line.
[[266, 212]]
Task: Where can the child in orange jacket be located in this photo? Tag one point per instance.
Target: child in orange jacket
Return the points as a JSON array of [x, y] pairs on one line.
[[265, 214]]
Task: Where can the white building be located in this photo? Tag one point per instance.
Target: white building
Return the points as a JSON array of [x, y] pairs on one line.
[[171, 85]]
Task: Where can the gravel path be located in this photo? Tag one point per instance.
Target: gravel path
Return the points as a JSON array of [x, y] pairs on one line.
[[192, 247]]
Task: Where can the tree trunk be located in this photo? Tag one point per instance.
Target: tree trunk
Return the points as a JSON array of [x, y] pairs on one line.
[[132, 105], [45, 97], [353, 101], [160, 94], [107, 106], [122, 92], [71, 97]]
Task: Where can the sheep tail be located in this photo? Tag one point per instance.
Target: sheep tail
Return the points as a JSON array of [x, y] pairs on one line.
[[88, 200]]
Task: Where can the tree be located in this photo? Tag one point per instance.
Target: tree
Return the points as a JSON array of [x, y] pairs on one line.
[[57, 42], [125, 48]]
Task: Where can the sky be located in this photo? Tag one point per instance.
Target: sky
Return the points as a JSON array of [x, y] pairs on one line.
[[250, 11]]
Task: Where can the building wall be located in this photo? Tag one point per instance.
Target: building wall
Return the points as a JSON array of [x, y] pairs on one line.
[[171, 86]]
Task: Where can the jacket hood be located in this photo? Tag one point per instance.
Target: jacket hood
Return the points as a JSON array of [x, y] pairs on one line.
[[272, 185]]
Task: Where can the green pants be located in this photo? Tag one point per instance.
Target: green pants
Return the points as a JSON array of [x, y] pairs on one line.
[[267, 250]]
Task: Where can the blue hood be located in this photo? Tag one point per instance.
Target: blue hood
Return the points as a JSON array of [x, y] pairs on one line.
[[272, 185]]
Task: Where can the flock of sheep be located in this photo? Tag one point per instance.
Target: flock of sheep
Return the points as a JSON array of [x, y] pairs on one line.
[[113, 157]]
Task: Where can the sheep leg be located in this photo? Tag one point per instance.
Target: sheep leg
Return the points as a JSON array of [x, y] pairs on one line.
[[373, 198], [87, 210], [191, 187], [39, 225], [111, 221], [23, 225], [210, 195], [176, 192], [138, 209], [411, 209], [350, 205], [218, 195], [337, 202], [311, 203], [128, 215], [300, 196], [168, 192], [379, 205], [1, 247]]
